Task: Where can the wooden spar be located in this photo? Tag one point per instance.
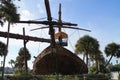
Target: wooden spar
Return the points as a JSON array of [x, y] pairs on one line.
[[18, 36], [46, 23], [59, 24], [62, 27]]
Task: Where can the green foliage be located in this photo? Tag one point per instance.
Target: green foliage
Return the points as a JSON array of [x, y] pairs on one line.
[[102, 69], [1, 78], [119, 76], [19, 72], [8, 11], [96, 77], [113, 50], [1, 68], [89, 47], [19, 78], [60, 77], [20, 58], [22, 52], [86, 43], [2, 48], [115, 68], [70, 77], [12, 63], [92, 69], [22, 72]]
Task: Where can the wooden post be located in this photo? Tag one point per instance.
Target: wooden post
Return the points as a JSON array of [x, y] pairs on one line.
[[25, 57]]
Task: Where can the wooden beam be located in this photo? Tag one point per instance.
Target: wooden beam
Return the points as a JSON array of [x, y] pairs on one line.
[[18, 36]]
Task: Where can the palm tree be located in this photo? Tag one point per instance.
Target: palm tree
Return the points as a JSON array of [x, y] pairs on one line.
[[2, 48], [12, 63], [21, 58], [22, 52], [112, 50], [87, 46], [19, 63], [8, 12], [98, 58]]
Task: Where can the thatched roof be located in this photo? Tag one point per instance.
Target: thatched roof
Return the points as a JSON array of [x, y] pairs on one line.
[[60, 61]]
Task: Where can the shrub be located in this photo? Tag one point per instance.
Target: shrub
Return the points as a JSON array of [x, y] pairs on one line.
[[119, 76], [59, 77], [1, 78], [21, 73]]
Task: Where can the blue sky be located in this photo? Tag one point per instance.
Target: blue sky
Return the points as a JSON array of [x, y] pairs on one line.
[[100, 16]]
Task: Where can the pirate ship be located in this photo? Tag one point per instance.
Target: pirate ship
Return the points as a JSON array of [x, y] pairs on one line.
[[55, 59]]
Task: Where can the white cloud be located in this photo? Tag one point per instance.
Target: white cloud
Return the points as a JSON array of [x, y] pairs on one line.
[[40, 9], [26, 15]]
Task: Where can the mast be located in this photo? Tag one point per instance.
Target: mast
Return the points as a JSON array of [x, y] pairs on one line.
[[59, 17], [51, 30]]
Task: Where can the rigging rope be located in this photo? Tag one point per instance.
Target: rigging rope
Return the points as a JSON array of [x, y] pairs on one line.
[[71, 44], [69, 41], [78, 33], [58, 20], [40, 18], [72, 33], [39, 43]]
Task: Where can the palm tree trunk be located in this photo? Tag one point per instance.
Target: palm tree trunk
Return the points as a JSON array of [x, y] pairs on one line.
[[87, 59], [97, 66], [83, 57], [12, 65], [3, 71], [109, 61], [6, 51]]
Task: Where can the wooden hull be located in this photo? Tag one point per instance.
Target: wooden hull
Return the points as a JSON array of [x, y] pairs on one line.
[[58, 61]]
